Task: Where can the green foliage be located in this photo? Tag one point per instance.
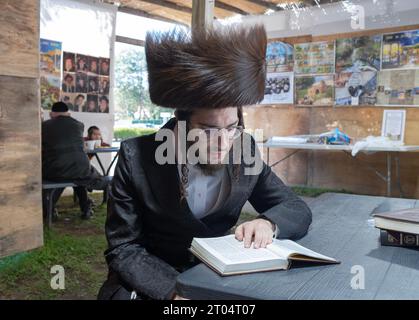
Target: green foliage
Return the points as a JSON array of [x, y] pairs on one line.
[[126, 133], [75, 244], [131, 85]]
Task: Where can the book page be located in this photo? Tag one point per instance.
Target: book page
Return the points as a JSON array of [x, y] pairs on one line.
[[231, 251], [286, 248]]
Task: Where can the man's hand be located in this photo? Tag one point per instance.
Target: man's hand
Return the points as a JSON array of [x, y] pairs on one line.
[[176, 297], [259, 231]]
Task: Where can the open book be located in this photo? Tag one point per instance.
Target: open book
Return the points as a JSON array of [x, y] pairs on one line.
[[228, 256]]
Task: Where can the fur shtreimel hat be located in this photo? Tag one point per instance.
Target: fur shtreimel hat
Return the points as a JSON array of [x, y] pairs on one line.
[[216, 68]]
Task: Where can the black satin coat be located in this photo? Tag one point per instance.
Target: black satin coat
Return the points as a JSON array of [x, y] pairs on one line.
[[149, 230]]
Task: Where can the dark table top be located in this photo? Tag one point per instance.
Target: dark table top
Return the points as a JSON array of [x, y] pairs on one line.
[[342, 228], [103, 150]]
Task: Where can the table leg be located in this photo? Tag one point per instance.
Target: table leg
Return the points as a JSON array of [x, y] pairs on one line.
[[267, 156], [112, 162], [399, 184], [388, 174], [100, 164]]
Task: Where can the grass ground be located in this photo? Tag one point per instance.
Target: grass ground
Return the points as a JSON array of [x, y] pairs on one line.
[[78, 246]]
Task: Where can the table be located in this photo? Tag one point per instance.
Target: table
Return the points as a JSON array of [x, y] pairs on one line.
[[96, 153], [347, 149], [342, 228]]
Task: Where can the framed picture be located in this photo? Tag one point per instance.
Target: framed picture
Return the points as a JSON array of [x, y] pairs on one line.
[[279, 88], [394, 122], [401, 50], [358, 54], [279, 57], [314, 90], [314, 58]]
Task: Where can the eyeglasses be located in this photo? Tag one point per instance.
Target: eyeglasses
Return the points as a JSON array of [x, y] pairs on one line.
[[231, 133]]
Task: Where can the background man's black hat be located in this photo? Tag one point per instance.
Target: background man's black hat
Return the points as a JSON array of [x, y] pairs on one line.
[[59, 107]]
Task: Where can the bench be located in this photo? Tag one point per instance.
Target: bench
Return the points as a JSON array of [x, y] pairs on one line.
[[48, 190], [50, 187]]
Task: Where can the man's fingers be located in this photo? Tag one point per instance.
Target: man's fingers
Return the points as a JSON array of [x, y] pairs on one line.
[[248, 234], [258, 239], [239, 232]]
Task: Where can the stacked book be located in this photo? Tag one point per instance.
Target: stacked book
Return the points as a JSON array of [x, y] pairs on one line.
[[399, 228]]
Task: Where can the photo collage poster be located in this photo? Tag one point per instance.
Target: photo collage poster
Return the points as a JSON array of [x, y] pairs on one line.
[[314, 67], [279, 88], [358, 61], [50, 76], [398, 82], [86, 82], [377, 70]]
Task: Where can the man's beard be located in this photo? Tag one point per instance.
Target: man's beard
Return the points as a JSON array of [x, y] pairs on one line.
[[210, 169]]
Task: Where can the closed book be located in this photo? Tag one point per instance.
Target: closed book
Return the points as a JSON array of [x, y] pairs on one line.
[[406, 220], [398, 239]]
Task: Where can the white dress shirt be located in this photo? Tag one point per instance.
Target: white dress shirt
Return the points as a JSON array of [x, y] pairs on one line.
[[206, 192]]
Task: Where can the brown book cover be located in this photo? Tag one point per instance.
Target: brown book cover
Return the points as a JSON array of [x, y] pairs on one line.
[[398, 239], [406, 215]]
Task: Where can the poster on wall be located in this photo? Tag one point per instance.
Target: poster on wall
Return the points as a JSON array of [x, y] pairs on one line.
[[50, 67], [358, 54], [398, 88], [279, 57], [314, 90], [279, 88], [314, 58], [356, 88], [85, 85], [401, 50]]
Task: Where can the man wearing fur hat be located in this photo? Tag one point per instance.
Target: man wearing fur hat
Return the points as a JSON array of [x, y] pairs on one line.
[[156, 207]]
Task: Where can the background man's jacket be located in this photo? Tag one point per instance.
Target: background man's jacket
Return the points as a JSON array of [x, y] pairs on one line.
[[63, 156]]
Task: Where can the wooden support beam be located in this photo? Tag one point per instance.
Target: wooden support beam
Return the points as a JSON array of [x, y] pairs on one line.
[[169, 5], [230, 8], [142, 13], [267, 5], [202, 14], [134, 42]]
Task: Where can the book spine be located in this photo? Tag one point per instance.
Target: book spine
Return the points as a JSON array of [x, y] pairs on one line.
[[398, 239]]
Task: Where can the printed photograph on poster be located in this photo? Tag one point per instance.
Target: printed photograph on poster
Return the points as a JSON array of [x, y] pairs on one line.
[[69, 82], [279, 57], [103, 104], [75, 102], [81, 82], [279, 88], [104, 85], [82, 63], [356, 88], [314, 90], [69, 64], [50, 75], [401, 50], [394, 123], [93, 65], [358, 54], [314, 58], [92, 103], [398, 88], [104, 66], [50, 57], [50, 90], [93, 84]]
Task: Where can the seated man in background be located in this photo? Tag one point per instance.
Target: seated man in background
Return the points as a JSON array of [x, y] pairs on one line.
[[93, 133], [64, 159]]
